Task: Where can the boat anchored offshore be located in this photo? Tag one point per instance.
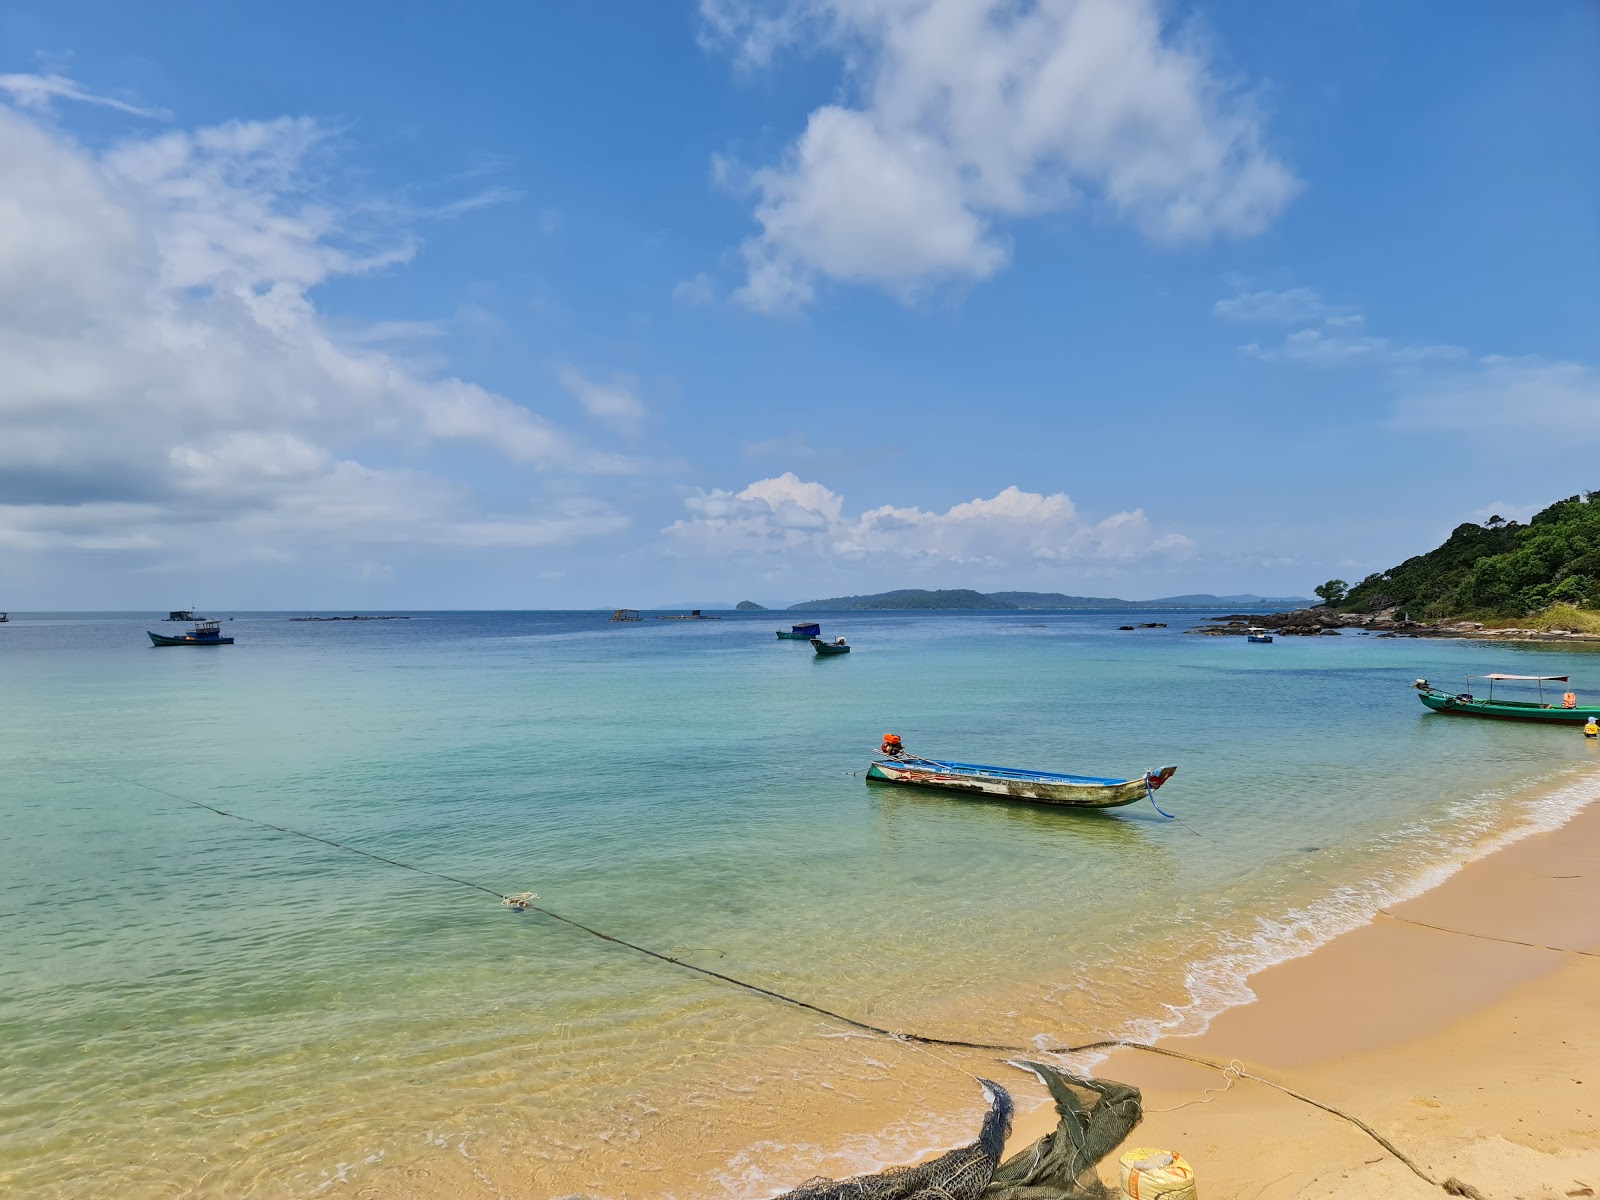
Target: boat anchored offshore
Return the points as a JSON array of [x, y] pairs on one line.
[[1012, 783], [837, 646], [1569, 711], [204, 633], [1257, 634], [801, 633]]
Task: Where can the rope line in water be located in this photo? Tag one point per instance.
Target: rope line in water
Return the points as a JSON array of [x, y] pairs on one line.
[[522, 902]]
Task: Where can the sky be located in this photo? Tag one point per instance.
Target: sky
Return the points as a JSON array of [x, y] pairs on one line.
[[400, 306]]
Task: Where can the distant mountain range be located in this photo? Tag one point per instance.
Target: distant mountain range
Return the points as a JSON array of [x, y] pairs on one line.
[[965, 598]]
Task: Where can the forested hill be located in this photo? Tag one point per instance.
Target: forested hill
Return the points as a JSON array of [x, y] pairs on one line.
[[966, 598], [1497, 569]]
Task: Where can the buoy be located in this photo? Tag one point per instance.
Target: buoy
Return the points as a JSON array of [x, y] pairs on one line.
[[1150, 1174]]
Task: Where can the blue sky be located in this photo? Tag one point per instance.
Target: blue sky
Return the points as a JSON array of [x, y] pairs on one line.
[[387, 306]]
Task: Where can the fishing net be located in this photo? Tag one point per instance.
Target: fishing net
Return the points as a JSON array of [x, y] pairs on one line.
[[959, 1175], [1096, 1116]]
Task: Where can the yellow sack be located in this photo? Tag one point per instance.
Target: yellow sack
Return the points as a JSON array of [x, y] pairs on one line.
[[1149, 1174]]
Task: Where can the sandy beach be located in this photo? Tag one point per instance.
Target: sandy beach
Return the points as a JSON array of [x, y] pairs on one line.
[[1462, 1027]]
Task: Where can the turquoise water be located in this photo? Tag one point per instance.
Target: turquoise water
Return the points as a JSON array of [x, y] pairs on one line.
[[195, 1006]]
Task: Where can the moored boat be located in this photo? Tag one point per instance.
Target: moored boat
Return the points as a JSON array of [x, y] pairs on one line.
[[204, 633], [1257, 634], [625, 614], [801, 633], [837, 646], [1013, 783], [5, 618], [1569, 711]]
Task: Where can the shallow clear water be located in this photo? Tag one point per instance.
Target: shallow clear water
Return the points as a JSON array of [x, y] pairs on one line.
[[191, 1005]]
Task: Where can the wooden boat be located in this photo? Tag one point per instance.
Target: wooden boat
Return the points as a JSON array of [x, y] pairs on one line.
[[5, 618], [625, 614], [837, 646], [1256, 634], [1011, 783], [693, 615], [181, 614], [1468, 705], [204, 633], [801, 633]]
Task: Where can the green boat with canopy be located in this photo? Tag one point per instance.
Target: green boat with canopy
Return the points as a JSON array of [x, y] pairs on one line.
[[1565, 710]]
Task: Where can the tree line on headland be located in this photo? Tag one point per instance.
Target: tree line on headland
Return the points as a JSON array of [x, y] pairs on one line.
[[1499, 569]]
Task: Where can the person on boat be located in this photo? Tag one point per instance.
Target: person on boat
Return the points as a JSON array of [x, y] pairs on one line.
[[1591, 728], [1569, 700]]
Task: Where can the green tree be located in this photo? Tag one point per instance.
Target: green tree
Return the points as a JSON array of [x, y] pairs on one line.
[[1333, 591]]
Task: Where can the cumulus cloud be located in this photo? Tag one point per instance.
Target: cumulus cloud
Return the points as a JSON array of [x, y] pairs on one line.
[[161, 354], [974, 112], [791, 517]]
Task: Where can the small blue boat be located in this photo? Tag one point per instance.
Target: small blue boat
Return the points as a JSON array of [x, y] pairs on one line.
[[204, 633], [801, 633], [1256, 634]]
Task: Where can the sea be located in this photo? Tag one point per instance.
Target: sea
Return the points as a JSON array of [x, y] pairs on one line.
[[196, 1001]]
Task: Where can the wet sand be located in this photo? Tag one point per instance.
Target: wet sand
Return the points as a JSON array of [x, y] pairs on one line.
[[1479, 1058]]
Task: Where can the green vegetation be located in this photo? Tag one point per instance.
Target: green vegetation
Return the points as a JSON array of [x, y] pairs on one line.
[[1332, 592], [1498, 570]]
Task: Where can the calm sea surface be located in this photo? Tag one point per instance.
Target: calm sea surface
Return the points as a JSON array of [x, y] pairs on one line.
[[193, 1006]]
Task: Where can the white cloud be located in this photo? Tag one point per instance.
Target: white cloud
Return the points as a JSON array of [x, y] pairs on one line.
[[36, 92], [789, 517], [1291, 306], [1316, 348], [163, 363], [695, 292], [973, 112], [1524, 399], [615, 404]]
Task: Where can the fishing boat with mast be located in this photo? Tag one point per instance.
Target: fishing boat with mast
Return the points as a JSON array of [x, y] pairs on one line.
[[204, 633], [1014, 783], [1465, 704]]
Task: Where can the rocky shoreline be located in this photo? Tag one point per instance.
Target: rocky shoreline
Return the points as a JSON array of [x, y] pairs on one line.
[[1319, 621]]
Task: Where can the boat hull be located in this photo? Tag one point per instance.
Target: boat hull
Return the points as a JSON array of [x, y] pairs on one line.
[[827, 649], [1030, 787], [1440, 702], [157, 639]]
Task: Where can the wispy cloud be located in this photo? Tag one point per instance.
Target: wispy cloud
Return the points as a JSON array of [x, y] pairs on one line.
[[1316, 348], [615, 403], [695, 292], [37, 92], [1292, 306]]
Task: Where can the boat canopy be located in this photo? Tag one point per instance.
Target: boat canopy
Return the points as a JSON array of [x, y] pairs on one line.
[[1529, 678]]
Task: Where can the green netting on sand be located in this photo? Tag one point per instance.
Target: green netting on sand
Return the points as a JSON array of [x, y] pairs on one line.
[[1096, 1115]]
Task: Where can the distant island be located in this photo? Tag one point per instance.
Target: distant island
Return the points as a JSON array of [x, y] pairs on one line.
[[967, 599], [749, 606]]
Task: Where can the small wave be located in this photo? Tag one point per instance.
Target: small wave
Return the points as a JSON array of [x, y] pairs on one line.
[[1220, 981]]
